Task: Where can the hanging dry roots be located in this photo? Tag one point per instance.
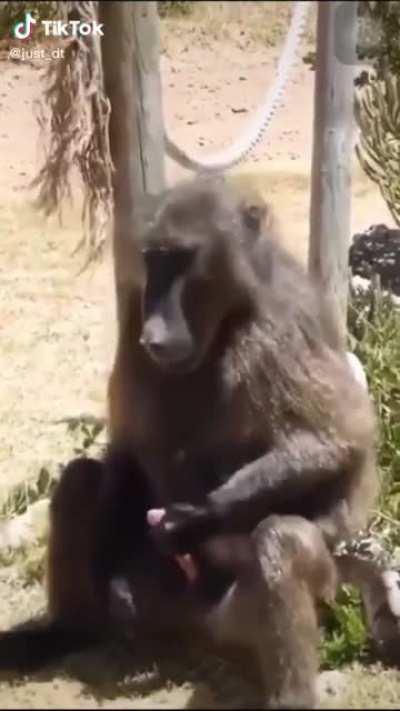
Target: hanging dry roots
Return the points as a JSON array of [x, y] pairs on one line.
[[73, 116]]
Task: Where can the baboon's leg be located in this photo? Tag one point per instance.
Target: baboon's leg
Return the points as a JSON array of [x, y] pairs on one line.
[[77, 617], [271, 608], [72, 596]]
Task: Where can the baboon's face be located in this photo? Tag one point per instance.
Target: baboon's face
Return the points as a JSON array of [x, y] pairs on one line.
[[193, 257], [181, 306]]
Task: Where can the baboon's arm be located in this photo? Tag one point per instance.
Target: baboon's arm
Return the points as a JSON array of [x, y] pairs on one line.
[[281, 481], [305, 473]]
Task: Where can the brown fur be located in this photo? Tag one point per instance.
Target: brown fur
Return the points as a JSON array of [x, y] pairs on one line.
[[282, 367]]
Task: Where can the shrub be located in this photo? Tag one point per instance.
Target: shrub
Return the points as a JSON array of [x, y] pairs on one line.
[[174, 8]]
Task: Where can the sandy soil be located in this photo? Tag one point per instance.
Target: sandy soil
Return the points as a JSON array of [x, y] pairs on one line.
[[57, 330]]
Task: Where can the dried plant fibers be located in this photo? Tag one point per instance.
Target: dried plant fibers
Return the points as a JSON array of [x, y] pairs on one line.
[[73, 116]]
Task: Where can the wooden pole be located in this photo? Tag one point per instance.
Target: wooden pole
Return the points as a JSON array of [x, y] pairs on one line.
[[332, 157], [149, 111], [130, 55]]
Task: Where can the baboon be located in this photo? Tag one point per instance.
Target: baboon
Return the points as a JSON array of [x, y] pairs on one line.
[[237, 431]]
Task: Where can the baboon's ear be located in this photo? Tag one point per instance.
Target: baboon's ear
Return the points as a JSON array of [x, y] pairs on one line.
[[254, 216]]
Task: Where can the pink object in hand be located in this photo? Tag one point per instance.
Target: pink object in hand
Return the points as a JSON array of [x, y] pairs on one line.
[[154, 518]]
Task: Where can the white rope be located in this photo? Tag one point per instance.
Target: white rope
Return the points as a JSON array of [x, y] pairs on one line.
[[253, 134]]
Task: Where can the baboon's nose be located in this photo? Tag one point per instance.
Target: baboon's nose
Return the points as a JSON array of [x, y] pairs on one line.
[[154, 342], [159, 349], [169, 351], [166, 350]]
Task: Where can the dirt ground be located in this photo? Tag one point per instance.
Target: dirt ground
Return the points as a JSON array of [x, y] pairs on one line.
[[57, 334]]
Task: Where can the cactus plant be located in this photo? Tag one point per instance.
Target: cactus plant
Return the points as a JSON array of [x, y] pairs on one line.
[[377, 104], [377, 112]]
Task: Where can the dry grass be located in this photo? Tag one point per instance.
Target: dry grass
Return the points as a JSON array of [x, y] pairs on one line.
[[363, 688], [246, 24]]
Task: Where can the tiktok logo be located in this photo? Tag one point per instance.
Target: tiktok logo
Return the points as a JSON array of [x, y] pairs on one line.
[[22, 30], [57, 28]]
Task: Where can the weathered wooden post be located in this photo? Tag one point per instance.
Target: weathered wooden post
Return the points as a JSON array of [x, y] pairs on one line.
[[130, 54], [332, 152]]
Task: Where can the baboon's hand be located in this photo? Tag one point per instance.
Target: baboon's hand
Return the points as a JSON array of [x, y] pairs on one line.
[[182, 527]]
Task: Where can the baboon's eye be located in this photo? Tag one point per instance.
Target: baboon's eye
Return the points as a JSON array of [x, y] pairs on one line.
[[253, 216], [164, 264], [182, 257], [177, 258]]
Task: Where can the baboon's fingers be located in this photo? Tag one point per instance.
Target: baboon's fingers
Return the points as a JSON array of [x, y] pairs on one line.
[[186, 562]]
